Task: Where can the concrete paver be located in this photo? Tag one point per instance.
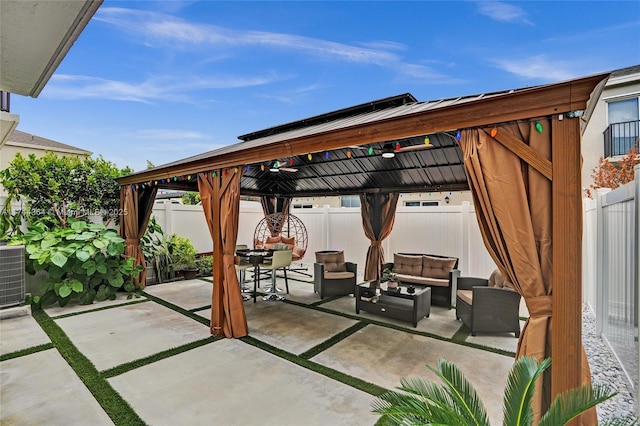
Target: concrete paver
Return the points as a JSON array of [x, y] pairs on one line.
[[382, 356], [126, 333], [229, 382], [41, 388], [190, 294], [20, 333], [73, 308]]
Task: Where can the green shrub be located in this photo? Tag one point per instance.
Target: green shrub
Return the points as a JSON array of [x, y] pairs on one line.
[[84, 262], [205, 265], [182, 252]]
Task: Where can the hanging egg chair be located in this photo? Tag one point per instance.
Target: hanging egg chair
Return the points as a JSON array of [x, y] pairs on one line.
[[279, 229]]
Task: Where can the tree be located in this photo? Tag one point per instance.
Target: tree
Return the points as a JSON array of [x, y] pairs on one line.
[[65, 187], [612, 175], [191, 198]]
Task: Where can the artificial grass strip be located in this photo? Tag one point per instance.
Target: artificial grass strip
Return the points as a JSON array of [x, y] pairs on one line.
[[113, 404], [27, 351], [201, 308], [102, 308], [178, 309], [354, 382], [405, 329], [123, 368], [462, 334], [333, 340]]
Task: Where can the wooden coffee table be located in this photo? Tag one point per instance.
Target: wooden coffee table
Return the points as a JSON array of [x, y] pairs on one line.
[[391, 303]]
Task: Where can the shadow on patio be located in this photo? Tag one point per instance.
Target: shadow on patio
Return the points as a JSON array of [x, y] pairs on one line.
[[305, 361]]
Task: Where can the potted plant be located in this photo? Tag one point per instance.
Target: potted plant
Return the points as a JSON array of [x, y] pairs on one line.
[[389, 275], [184, 256]]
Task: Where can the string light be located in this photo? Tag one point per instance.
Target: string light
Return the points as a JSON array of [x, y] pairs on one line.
[[397, 146], [309, 156], [247, 168], [494, 132], [291, 161], [427, 141], [235, 170], [326, 155], [348, 154], [370, 151], [262, 167], [539, 127], [458, 135]]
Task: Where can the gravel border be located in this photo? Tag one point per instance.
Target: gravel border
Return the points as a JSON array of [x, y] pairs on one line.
[[606, 370]]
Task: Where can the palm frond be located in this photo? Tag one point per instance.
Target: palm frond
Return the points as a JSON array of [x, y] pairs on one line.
[[520, 389], [573, 402], [401, 408], [462, 393], [425, 388]]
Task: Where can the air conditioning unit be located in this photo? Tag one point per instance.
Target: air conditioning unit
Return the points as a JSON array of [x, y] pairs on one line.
[[11, 275]]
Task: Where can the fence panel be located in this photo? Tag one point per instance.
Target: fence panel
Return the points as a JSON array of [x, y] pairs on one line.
[[618, 304]]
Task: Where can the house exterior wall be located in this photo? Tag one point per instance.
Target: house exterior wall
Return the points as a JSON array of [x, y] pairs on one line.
[[617, 88]]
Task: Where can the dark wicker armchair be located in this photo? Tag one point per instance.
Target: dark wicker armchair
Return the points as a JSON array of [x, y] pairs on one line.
[[485, 306], [332, 276]]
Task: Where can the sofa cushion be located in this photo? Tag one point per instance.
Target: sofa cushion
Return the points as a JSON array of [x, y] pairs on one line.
[[417, 279], [407, 265], [497, 280], [437, 267], [297, 253], [333, 261], [289, 241], [273, 240], [466, 296], [337, 275]]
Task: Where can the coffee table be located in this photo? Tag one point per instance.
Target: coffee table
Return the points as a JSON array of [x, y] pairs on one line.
[[391, 303]]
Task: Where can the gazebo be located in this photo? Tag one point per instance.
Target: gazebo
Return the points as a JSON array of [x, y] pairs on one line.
[[518, 151]]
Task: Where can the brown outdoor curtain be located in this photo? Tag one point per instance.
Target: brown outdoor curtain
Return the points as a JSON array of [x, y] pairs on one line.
[[513, 207], [136, 206], [378, 211], [271, 205], [222, 193]]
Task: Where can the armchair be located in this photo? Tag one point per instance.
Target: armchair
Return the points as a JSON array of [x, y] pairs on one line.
[[332, 276], [488, 305]]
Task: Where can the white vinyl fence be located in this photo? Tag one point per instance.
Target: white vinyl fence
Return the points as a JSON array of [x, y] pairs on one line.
[[611, 280], [445, 230]]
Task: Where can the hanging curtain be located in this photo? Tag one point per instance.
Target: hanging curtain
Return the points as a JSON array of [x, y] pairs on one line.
[[220, 197], [136, 206], [271, 205], [378, 211], [513, 208]]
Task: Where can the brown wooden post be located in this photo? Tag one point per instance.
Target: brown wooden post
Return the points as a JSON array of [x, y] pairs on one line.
[[566, 322], [218, 267]]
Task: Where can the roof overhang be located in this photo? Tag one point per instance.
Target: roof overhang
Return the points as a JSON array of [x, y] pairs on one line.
[[35, 36], [349, 171]]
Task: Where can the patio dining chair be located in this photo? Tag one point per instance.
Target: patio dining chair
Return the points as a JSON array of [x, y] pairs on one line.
[[280, 259]]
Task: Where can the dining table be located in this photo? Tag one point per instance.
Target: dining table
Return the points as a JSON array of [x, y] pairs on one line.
[[255, 258]]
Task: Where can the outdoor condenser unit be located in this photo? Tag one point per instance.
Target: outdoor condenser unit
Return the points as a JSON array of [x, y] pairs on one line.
[[11, 275]]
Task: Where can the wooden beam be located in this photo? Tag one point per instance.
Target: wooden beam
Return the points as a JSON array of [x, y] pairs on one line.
[[525, 152], [566, 342], [485, 111]]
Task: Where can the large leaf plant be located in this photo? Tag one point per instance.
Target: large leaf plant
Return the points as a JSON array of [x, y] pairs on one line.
[[456, 402], [84, 262]]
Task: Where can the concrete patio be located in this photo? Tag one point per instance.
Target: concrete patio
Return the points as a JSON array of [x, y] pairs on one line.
[[275, 376]]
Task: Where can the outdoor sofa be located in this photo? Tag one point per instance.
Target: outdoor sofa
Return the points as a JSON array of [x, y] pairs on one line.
[[427, 270]]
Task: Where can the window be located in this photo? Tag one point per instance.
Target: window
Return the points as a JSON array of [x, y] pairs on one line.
[[350, 201], [412, 203], [430, 203], [623, 117]]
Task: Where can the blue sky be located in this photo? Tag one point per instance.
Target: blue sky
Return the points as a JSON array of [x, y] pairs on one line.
[[164, 80]]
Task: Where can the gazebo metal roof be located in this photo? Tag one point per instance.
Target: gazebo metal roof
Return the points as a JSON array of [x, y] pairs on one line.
[[338, 166]]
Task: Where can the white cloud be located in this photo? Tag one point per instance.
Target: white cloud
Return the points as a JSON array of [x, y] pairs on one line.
[[167, 134], [170, 32], [175, 89], [540, 68], [503, 12]]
